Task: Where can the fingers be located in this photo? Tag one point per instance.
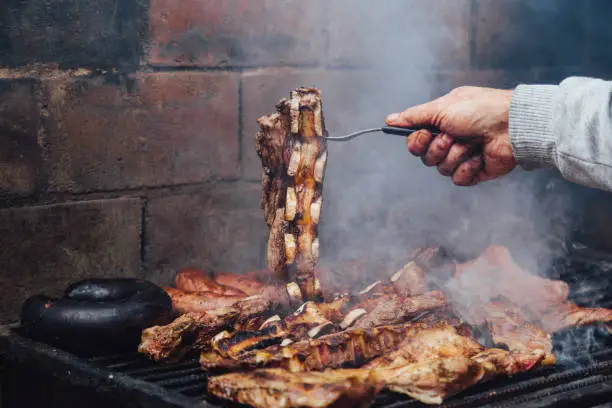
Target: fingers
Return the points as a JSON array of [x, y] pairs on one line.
[[457, 154], [466, 173], [438, 149], [418, 116], [419, 142], [452, 159]]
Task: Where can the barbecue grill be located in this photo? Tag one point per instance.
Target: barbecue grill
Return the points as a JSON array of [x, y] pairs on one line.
[[40, 375]]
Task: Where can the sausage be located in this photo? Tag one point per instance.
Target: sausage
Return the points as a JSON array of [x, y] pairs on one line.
[[194, 280], [214, 303], [247, 283], [97, 316]]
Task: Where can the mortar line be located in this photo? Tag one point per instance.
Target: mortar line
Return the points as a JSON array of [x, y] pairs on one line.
[[142, 192]]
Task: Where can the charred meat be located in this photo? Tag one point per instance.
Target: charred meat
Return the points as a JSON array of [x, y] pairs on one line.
[[294, 156], [280, 388]]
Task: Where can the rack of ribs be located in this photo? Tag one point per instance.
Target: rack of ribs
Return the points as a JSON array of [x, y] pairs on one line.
[[294, 158], [430, 365]]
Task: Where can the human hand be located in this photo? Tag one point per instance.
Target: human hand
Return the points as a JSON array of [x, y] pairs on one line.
[[474, 143]]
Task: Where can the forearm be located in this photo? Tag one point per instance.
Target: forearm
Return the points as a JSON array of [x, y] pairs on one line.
[[568, 126]]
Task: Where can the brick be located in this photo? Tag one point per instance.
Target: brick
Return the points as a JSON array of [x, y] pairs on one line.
[[351, 100], [527, 33], [20, 152], [219, 228], [172, 128], [402, 33], [235, 32], [72, 33], [45, 248]]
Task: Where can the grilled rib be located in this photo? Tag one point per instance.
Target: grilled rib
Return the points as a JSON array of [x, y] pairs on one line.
[[350, 347], [293, 157], [186, 333], [308, 321]]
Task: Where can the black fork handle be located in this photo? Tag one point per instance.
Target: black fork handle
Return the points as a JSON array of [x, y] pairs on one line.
[[405, 132], [399, 131]]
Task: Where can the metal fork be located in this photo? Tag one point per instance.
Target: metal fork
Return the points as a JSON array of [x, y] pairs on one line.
[[389, 130]]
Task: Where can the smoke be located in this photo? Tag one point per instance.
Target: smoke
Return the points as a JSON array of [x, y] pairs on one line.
[[380, 202]]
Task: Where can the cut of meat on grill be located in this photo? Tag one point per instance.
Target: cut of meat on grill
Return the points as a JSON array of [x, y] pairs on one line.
[[541, 301], [568, 314], [279, 388], [294, 158], [411, 280], [508, 327], [250, 283], [498, 362], [309, 321], [432, 381], [201, 302], [350, 347], [429, 344], [194, 280], [184, 334], [240, 314], [394, 309], [495, 274], [431, 377]]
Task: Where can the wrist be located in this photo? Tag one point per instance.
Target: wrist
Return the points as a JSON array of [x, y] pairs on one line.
[[530, 126]]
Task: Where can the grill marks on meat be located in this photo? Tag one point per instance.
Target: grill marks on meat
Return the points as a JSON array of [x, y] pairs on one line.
[[314, 320], [309, 321], [279, 388], [430, 365], [179, 337], [350, 347], [293, 156]]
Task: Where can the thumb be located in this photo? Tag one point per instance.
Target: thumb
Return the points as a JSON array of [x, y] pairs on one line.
[[416, 116]]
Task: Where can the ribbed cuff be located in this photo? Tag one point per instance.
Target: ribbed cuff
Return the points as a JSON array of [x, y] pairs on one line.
[[531, 126]]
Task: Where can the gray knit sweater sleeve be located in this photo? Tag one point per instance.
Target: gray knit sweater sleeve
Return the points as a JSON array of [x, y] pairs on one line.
[[567, 126]]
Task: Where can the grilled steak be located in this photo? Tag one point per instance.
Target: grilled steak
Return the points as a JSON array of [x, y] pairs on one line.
[[294, 158], [279, 388]]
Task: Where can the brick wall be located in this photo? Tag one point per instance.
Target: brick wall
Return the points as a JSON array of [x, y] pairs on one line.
[[126, 127]]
